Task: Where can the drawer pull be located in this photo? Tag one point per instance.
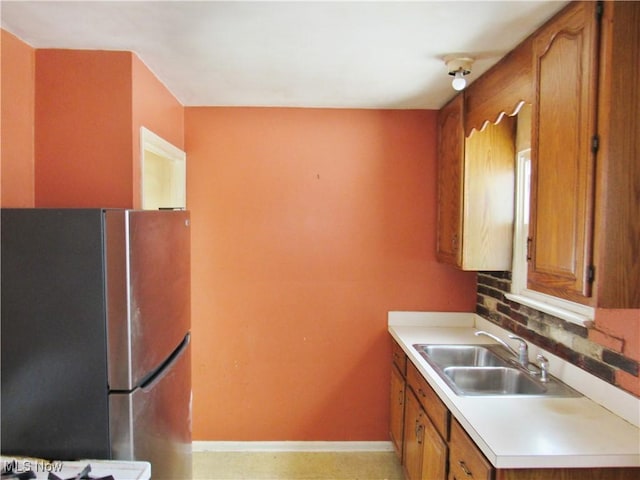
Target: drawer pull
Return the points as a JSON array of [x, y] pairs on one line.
[[464, 468]]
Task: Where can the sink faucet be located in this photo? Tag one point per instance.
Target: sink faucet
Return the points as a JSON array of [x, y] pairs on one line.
[[523, 349]]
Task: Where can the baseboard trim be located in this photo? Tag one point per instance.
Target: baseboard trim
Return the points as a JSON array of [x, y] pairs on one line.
[[291, 446]]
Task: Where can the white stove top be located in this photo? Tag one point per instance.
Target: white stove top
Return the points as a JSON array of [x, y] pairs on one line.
[[118, 469]]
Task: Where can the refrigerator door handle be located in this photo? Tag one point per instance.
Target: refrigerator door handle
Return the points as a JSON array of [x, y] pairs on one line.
[[155, 376]]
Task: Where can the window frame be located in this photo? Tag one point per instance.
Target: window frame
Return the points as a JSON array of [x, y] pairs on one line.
[[570, 311]]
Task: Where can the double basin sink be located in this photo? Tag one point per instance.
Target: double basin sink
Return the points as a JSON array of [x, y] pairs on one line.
[[488, 370]]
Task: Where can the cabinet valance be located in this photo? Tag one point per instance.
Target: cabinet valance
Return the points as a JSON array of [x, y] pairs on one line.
[[501, 90]]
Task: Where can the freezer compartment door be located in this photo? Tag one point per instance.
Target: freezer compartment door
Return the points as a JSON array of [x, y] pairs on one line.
[[148, 290], [153, 423]]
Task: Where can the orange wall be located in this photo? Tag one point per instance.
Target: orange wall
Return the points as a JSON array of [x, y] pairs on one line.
[[89, 109], [155, 108], [308, 227], [17, 110], [619, 331], [83, 134]]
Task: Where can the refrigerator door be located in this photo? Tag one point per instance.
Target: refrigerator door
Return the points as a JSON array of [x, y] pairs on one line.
[[153, 423], [148, 291], [54, 400]]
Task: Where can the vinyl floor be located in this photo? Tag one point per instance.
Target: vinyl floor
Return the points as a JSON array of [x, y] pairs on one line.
[[296, 466]]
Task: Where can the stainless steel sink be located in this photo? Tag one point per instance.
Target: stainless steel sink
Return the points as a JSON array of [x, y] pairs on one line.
[[493, 381], [488, 370], [461, 355]]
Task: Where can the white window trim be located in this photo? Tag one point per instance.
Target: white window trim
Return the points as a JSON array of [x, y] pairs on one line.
[[570, 311], [153, 143]]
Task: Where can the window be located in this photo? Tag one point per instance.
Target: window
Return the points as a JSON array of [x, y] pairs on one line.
[[569, 311]]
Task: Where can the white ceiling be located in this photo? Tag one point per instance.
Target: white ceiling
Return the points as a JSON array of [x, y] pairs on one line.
[[312, 54]]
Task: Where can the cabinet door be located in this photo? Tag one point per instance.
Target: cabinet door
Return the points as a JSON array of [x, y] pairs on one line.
[[617, 226], [434, 453], [450, 178], [397, 410], [425, 452], [488, 199], [413, 432], [562, 183]]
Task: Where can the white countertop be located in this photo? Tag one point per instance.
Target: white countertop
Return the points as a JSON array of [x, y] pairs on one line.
[[529, 432]]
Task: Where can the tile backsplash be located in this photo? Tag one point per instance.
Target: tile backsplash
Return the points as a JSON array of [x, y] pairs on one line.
[[595, 351]]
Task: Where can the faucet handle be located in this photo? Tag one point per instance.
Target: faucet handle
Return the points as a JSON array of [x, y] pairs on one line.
[[543, 362], [519, 339], [523, 350], [522, 343]]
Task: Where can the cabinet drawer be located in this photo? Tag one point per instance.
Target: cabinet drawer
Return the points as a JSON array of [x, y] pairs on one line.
[[436, 410], [399, 357], [465, 460]]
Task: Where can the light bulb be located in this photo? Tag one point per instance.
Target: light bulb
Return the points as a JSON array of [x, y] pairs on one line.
[[459, 82]]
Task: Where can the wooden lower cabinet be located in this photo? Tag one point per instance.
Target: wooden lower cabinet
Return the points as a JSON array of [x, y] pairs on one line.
[[427, 456], [425, 452], [397, 401], [569, 474], [412, 451], [434, 453], [437, 411], [426, 425], [465, 460], [432, 445]]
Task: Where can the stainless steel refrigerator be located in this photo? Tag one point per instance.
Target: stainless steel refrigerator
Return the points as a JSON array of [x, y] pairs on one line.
[[95, 336]]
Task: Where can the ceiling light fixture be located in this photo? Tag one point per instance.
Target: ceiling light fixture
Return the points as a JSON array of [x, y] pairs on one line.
[[458, 67]]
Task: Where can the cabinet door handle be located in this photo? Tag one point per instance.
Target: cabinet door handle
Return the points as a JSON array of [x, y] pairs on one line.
[[419, 430], [465, 469]]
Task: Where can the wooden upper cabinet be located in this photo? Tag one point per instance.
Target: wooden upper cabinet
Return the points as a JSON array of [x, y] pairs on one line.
[[617, 278], [450, 180], [565, 68], [475, 191], [489, 192], [580, 73]]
